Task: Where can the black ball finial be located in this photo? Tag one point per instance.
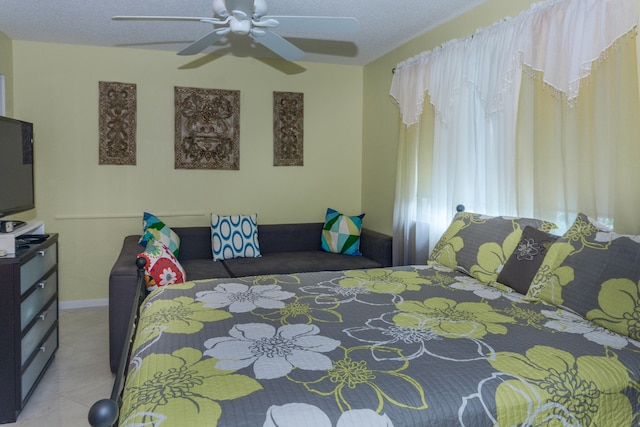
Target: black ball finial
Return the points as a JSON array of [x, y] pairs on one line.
[[103, 413], [141, 262], [460, 208]]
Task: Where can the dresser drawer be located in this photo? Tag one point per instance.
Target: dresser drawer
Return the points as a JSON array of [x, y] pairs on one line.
[[36, 267], [46, 319], [32, 373], [35, 302]]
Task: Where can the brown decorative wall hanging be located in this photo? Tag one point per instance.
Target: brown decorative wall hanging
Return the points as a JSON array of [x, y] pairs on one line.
[[207, 128], [117, 111], [288, 128]]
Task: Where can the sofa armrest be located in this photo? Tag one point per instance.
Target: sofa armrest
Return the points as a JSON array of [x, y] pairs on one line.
[[376, 246], [126, 262], [122, 288]]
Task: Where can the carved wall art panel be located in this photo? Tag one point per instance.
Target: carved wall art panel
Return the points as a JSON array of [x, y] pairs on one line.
[[288, 129], [117, 111], [207, 128]]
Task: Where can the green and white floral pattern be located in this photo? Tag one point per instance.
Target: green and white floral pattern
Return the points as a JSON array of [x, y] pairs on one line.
[[185, 390], [241, 298], [553, 387], [273, 353], [595, 273], [412, 345]]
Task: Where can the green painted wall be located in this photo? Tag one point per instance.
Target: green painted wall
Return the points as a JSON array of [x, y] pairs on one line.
[[93, 207]]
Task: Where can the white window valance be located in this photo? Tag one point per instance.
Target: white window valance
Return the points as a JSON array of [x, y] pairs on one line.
[[560, 38]]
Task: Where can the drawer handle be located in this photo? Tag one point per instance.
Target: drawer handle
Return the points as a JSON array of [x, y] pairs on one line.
[[43, 315], [41, 285], [41, 253], [43, 349]]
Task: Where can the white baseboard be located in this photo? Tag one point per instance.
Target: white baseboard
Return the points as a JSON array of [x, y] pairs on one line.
[[66, 305]]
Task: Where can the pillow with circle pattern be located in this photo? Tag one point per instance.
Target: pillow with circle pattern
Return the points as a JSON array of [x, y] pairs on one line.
[[234, 236], [480, 245], [162, 267]]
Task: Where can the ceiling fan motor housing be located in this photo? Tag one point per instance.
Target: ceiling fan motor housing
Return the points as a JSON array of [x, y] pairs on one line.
[[239, 26]]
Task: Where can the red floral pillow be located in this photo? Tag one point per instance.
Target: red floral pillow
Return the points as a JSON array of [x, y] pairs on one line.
[[162, 266]]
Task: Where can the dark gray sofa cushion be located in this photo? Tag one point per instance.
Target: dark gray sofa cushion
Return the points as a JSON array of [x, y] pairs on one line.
[[195, 243], [198, 269], [289, 237], [296, 262]]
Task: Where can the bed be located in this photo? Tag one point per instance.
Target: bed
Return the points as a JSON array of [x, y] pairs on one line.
[[419, 345]]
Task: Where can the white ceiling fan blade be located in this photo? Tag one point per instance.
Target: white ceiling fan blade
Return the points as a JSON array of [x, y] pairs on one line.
[[326, 24], [204, 42], [168, 18], [278, 45]]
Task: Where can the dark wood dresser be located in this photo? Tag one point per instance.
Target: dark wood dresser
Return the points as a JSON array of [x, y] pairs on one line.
[[28, 320]]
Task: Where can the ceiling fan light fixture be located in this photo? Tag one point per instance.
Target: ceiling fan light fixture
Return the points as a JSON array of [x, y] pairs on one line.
[[239, 26], [259, 9], [220, 8], [257, 32]]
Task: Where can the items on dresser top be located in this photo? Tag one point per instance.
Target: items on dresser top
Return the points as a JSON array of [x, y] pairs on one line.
[[17, 240]]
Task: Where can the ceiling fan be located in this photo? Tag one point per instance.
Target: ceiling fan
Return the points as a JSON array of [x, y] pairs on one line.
[[249, 17]]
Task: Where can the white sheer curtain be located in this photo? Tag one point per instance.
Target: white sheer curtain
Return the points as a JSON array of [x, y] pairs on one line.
[[465, 149]]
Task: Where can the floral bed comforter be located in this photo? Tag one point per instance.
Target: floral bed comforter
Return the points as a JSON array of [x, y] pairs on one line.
[[403, 346]]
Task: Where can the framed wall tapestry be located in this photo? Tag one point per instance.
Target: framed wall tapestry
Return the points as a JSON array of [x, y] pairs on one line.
[[117, 111], [288, 129], [207, 128]]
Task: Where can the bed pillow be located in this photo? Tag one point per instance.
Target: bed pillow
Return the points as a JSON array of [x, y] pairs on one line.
[[595, 273], [162, 267], [234, 236], [523, 264], [341, 233], [154, 228], [548, 282], [480, 245]]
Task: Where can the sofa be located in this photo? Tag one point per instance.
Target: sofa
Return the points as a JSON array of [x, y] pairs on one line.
[[284, 248]]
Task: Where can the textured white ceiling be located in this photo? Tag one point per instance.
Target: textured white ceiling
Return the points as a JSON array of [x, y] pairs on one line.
[[384, 25]]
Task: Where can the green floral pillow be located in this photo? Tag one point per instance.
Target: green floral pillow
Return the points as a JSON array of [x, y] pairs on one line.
[[596, 273], [162, 267], [480, 245]]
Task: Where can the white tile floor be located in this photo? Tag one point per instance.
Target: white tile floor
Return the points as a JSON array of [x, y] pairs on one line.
[[78, 376]]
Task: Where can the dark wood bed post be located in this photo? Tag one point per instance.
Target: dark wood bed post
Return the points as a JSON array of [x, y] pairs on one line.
[[105, 412]]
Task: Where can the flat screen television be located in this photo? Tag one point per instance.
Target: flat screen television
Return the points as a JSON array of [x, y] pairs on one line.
[[16, 166]]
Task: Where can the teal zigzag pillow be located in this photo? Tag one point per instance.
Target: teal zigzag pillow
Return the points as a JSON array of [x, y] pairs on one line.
[[154, 228], [341, 233]]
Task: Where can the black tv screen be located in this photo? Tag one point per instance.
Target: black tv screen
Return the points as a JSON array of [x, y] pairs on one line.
[[16, 166]]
